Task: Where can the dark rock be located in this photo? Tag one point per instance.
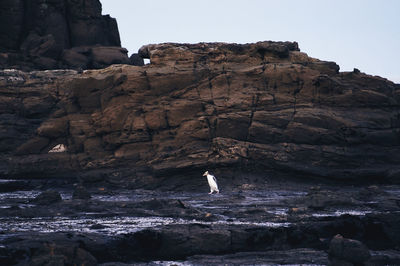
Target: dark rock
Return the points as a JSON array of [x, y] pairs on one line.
[[45, 46], [11, 21], [371, 192], [202, 240], [33, 146], [105, 56], [291, 257], [85, 17], [54, 250], [96, 176], [14, 185], [347, 250], [98, 226], [43, 35], [387, 257], [47, 198], [81, 193], [156, 204], [53, 128], [136, 60], [76, 57], [338, 262], [381, 231], [318, 199], [393, 176]]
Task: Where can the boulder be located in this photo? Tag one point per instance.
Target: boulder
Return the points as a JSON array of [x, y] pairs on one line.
[[35, 145], [76, 58], [53, 128], [347, 251], [48, 197], [105, 56], [136, 60], [81, 193], [179, 242], [61, 254]]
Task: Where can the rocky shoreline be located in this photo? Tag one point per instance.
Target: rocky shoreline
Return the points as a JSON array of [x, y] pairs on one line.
[[286, 222], [103, 167]]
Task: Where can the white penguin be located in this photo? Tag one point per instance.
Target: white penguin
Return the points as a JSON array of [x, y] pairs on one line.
[[212, 182]]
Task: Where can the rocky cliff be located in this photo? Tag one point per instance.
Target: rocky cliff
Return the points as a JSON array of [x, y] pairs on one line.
[[43, 34], [263, 107]]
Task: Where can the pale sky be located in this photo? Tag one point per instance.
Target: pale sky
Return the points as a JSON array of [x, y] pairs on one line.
[[363, 34]]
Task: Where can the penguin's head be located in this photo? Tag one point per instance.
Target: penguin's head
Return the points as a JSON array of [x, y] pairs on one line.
[[205, 173]]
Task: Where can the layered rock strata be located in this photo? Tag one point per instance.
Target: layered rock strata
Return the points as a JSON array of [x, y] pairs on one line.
[[216, 106], [43, 34]]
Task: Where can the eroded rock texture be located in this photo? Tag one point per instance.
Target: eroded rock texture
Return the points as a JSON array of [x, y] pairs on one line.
[[263, 106], [43, 34]]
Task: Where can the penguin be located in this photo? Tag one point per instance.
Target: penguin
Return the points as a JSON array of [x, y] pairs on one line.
[[212, 182]]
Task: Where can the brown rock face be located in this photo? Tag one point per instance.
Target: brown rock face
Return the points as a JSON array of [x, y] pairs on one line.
[[42, 34], [203, 106]]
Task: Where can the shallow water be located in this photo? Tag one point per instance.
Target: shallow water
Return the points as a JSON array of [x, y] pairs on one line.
[[231, 208], [94, 222], [341, 212], [7, 180], [108, 225], [19, 195]]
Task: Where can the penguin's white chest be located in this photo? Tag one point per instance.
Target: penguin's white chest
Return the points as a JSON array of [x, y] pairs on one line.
[[212, 183]]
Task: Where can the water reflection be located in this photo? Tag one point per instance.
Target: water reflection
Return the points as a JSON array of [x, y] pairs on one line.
[[231, 208], [108, 225]]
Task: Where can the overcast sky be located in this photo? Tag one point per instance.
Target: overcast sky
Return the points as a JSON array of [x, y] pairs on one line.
[[363, 34]]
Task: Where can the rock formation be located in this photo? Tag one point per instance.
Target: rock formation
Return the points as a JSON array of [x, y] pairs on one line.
[[42, 34], [345, 251], [225, 107]]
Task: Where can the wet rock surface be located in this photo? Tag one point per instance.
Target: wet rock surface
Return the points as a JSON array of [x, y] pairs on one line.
[[292, 256], [268, 225], [81, 192], [47, 197]]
